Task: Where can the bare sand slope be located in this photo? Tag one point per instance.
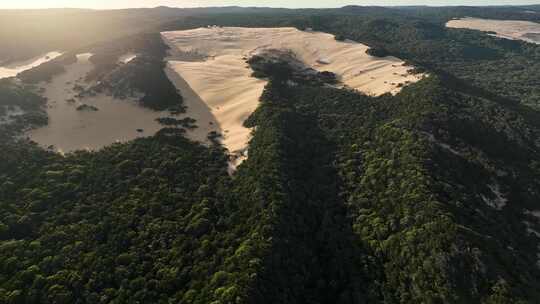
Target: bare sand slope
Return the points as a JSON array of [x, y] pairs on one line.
[[15, 68], [509, 29], [126, 58], [220, 94], [209, 67], [70, 129]]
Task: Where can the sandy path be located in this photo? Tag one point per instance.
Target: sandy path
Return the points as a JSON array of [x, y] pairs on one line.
[[69, 129], [509, 29], [208, 66], [11, 70]]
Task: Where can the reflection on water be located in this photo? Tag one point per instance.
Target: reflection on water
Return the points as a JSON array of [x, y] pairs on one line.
[[15, 68], [70, 129]]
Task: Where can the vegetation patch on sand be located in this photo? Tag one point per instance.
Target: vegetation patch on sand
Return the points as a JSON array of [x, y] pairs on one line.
[[85, 107]]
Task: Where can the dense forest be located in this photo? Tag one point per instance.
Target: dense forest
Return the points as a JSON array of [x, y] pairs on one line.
[[20, 109], [143, 75], [428, 196]]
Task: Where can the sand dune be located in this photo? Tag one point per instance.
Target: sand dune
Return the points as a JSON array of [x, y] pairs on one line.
[[219, 101], [70, 129], [509, 29], [209, 66], [15, 68]]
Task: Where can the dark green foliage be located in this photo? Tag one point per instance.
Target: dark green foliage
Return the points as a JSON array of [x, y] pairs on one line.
[[15, 94], [290, 177], [21, 107], [129, 241], [144, 74], [403, 166], [504, 67], [282, 66], [422, 197], [86, 107], [188, 123], [377, 52], [177, 227]]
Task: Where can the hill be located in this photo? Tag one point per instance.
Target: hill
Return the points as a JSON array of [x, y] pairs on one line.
[[426, 196]]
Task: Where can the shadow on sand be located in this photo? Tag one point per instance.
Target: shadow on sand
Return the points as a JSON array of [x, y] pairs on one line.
[[196, 108]]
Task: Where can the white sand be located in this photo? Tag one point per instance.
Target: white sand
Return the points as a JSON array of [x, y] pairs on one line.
[[11, 70], [509, 29], [126, 58], [220, 94], [209, 67], [69, 129]]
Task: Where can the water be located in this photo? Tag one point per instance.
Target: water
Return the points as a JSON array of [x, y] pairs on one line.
[[11, 70], [69, 130]]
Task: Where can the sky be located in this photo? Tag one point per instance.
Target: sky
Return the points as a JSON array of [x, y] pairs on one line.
[[113, 4]]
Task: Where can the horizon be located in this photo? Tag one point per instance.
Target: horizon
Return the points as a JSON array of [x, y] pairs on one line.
[[123, 4]]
